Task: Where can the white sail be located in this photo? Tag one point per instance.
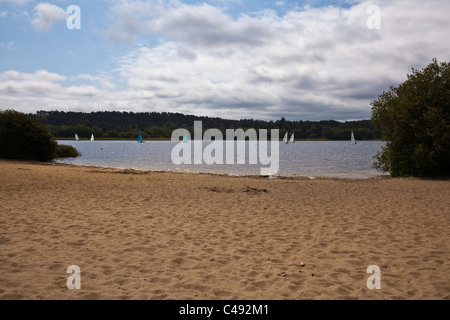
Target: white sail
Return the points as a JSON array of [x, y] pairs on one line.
[[292, 138], [76, 137], [92, 137], [353, 140], [285, 139]]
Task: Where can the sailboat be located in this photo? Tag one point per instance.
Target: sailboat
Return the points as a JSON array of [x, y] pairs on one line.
[[285, 139], [353, 140], [292, 139], [140, 138], [76, 137], [92, 137], [185, 139]]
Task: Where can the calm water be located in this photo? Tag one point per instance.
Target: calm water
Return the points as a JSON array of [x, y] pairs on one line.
[[308, 159]]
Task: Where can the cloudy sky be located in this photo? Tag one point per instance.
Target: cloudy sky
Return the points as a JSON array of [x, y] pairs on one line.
[[302, 60]]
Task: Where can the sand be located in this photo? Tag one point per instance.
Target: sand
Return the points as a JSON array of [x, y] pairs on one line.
[[151, 235]]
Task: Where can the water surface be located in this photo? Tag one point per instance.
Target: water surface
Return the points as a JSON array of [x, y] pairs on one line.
[[307, 159]]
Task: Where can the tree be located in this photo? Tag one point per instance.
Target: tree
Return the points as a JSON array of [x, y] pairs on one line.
[[22, 137], [415, 122]]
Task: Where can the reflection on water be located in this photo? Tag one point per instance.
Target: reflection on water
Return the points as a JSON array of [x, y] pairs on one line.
[[309, 159]]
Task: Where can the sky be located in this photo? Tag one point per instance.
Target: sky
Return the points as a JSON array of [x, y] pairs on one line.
[[234, 59]]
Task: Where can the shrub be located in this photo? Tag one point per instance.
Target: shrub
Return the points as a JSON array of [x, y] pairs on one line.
[[63, 151], [415, 122], [24, 138]]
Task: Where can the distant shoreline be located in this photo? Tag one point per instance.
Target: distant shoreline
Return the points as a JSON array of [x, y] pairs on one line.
[[164, 139]]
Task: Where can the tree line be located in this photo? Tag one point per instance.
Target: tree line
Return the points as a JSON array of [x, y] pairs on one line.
[[154, 125]]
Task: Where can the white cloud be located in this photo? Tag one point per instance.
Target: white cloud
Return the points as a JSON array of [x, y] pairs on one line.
[[16, 2], [205, 25], [28, 91], [104, 81], [8, 46], [129, 19], [83, 90], [40, 75], [318, 63], [47, 15], [40, 82], [312, 63]]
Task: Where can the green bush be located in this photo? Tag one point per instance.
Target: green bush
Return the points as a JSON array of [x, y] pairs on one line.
[[63, 151], [24, 138], [415, 122]]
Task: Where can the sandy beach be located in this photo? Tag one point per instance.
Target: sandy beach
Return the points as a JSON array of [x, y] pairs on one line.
[[155, 235]]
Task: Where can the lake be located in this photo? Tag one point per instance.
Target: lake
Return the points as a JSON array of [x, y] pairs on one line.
[[300, 159]]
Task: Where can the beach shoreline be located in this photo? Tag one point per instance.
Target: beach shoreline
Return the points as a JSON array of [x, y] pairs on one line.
[[250, 176], [138, 234]]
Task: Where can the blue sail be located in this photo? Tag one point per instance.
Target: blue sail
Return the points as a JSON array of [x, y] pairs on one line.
[[185, 139]]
